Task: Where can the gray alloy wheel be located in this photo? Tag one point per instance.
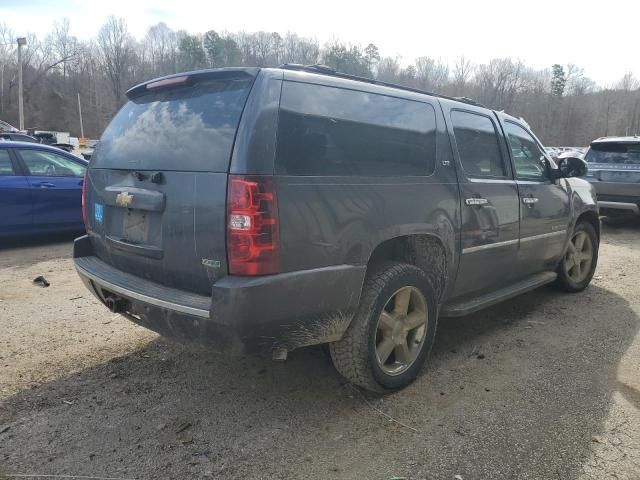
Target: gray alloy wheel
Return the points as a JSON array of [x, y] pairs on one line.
[[579, 256], [578, 265], [392, 331], [401, 330]]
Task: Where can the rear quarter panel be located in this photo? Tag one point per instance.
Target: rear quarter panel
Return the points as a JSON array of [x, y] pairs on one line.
[[341, 220]]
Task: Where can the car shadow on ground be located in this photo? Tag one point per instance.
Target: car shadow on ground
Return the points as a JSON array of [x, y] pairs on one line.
[[617, 225], [28, 249], [40, 239], [515, 391]]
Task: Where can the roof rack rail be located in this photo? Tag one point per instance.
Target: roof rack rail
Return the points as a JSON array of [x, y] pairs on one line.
[[468, 100], [326, 70]]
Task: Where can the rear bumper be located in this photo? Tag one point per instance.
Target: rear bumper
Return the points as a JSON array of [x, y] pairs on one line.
[[243, 314], [626, 206], [618, 196]]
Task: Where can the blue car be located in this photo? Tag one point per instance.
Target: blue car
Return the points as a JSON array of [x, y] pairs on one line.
[[40, 189]]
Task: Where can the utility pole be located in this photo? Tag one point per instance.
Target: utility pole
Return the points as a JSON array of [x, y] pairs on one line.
[[21, 42], [80, 115]]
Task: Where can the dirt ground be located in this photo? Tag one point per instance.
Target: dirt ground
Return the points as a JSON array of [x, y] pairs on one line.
[[545, 386]]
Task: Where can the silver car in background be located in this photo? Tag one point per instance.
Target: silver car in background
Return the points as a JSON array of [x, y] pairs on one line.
[[614, 170]]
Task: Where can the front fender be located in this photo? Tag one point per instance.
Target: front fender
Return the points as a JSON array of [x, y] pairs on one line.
[[583, 199]]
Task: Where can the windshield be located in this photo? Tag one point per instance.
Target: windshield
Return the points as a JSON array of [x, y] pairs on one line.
[[186, 128], [5, 127], [617, 153]]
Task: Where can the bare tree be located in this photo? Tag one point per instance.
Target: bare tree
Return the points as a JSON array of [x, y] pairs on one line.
[[431, 74], [628, 83], [64, 45], [57, 66], [115, 46], [7, 47], [499, 81], [161, 44], [42, 58], [388, 69], [462, 71]]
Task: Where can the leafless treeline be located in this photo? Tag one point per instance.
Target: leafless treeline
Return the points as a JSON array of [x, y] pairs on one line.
[[562, 105]]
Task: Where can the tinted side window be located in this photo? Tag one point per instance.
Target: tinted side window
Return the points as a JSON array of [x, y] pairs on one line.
[[5, 163], [49, 164], [333, 131], [24, 138], [528, 158], [477, 144]]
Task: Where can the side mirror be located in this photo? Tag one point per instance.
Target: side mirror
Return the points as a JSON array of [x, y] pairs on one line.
[[570, 167]]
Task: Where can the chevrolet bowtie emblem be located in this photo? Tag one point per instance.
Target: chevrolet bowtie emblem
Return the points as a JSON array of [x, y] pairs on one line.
[[123, 199]]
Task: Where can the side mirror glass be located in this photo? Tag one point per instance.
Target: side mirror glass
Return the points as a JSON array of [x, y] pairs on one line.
[[571, 167]]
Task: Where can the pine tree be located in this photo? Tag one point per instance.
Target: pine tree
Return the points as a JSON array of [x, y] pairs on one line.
[[559, 81]]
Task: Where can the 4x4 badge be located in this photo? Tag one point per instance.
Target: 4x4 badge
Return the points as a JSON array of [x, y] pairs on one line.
[[123, 199]]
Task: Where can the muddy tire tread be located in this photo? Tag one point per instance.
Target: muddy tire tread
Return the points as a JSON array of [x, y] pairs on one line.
[[350, 355]]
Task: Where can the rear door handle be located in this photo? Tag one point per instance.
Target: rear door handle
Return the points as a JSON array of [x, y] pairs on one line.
[[529, 201], [476, 202], [46, 185]]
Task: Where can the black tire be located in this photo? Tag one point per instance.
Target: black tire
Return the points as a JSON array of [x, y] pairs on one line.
[[354, 356], [564, 281]]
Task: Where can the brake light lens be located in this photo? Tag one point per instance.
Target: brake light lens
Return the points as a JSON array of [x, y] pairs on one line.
[[252, 225], [168, 82], [84, 201]]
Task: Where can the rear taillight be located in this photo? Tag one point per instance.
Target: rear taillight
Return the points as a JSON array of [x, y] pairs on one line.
[[84, 200], [168, 82], [252, 225]]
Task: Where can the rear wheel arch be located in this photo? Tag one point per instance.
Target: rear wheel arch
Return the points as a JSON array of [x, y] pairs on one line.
[[425, 251]]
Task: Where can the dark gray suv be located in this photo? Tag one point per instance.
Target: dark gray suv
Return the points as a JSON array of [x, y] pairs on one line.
[[262, 210]]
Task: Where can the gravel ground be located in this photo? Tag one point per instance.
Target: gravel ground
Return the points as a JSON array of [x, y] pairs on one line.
[[544, 386]]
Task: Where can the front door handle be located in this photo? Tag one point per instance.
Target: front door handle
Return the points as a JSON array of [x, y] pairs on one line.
[[476, 201], [46, 185]]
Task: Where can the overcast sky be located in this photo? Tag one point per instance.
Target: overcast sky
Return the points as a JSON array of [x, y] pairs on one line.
[[604, 39]]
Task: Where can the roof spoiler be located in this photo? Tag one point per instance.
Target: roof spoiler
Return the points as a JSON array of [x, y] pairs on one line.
[[190, 78]]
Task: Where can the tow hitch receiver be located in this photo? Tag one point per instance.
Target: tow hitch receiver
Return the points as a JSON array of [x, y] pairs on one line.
[[116, 304]]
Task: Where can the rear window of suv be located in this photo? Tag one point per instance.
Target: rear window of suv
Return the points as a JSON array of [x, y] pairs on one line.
[[332, 131], [188, 128], [615, 153]]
